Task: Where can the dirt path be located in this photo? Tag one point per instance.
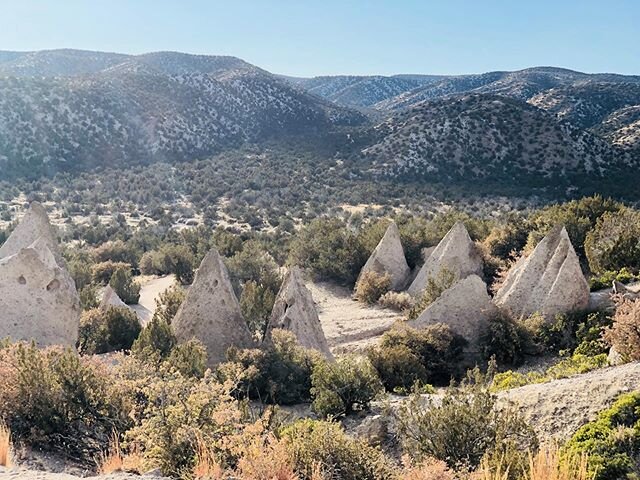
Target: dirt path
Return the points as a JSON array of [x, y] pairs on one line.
[[349, 325], [152, 287]]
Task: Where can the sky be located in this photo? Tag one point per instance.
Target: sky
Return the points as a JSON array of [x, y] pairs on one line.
[[329, 37]]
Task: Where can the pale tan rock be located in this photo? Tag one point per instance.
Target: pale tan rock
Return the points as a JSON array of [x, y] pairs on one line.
[[33, 226], [465, 307], [456, 252], [295, 310], [388, 257], [111, 299], [38, 298], [549, 281], [211, 312]]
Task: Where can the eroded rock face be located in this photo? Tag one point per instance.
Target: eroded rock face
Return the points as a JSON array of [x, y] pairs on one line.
[[549, 281], [294, 310], [388, 257], [33, 226], [111, 299], [466, 307], [456, 252], [38, 297], [211, 312]]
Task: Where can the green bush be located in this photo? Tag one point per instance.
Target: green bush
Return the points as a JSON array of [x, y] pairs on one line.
[[606, 279], [505, 340], [55, 400], [314, 444], [101, 273], [432, 355], [256, 303], [463, 427], [107, 330], [614, 243], [371, 286], [344, 386], [612, 442], [189, 358], [168, 303], [278, 373], [155, 342], [89, 297], [123, 284]]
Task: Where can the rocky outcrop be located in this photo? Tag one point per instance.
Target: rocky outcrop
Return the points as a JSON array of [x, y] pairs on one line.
[[33, 226], [466, 307], [388, 257], [549, 281], [456, 252], [211, 312], [38, 297], [294, 310], [111, 299]]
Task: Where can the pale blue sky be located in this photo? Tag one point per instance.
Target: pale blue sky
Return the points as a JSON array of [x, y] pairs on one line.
[[303, 37]]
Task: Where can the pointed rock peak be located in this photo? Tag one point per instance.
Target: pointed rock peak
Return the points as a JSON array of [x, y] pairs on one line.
[[295, 310], [456, 252], [388, 258], [34, 225], [466, 307], [211, 312], [549, 281], [111, 299]]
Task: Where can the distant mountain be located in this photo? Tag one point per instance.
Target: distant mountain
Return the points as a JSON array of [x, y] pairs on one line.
[[489, 138], [146, 108], [49, 63], [362, 91]]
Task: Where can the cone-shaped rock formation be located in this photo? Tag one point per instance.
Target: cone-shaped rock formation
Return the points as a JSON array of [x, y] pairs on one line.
[[294, 310], [211, 312], [456, 252], [388, 257], [466, 307], [549, 281], [38, 297], [111, 299], [33, 226]]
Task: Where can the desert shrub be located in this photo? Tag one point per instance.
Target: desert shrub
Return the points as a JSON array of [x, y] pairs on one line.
[[253, 262], [148, 263], [407, 355], [505, 340], [438, 227], [589, 334], [55, 400], [107, 330], [115, 251], [462, 428], [80, 269], [313, 443], [189, 358], [612, 442], [344, 386], [256, 303], [89, 297], [278, 373], [123, 284], [155, 342], [507, 239], [400, 301], [169, 259], [606, 278], [371, 286], [329, 250], [624, 334], [168, 303], [566, 367], [578, 216], [102, 272], [614, 243], [432, 291]]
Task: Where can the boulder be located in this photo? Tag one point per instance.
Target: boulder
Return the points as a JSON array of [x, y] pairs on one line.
[[549, 281], [294, 310], [211, 312], [455, 252], [38, 297], [111, 299], [466, 307], [388, 257], [621, 290], [33, 226]]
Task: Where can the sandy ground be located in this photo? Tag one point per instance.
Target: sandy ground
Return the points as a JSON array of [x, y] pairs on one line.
[[349, 325], [152, 287]]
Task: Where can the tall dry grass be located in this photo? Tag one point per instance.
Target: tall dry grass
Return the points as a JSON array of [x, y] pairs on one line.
[[114, 460], [5, 445]]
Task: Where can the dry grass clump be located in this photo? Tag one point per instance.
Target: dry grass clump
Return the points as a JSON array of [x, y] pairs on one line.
[[5, 445], [400, 301], [429, 469], [624, 334], [115, 460]]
